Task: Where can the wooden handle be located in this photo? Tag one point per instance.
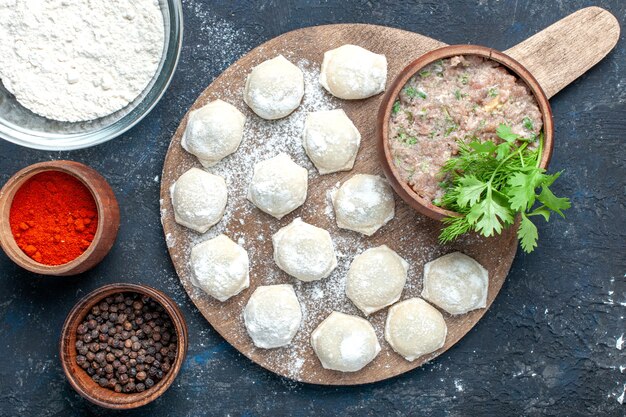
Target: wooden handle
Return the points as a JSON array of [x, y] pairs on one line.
[[564, 51]]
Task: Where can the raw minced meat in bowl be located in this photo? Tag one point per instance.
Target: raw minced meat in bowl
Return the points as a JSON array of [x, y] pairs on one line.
[[448, 97]]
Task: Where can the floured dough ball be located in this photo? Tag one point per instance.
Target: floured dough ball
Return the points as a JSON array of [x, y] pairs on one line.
[[272, 316], [351, 72], [278, 185], [220, 267], [345, 343], [213, 132], [274, 88], [376, 279], [304, 251], [331, 140], [364, 204], [415, 328], [456, 283], [199, 199]]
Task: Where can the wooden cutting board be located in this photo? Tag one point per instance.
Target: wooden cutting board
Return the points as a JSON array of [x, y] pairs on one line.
[[556, 56]]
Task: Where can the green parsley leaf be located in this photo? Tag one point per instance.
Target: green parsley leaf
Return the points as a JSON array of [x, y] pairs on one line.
[[506, 133], [503, 150], [424, 74], [527, 234], [492, 92], [541, 211], [465, 78], [411, 140], [470, 190], [489, 216], [458, 95], [553, 202], [422, 94], [410, 91], [483, 147], [522, 191]]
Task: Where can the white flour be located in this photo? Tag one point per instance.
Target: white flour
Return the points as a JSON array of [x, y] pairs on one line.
[[79, 60]]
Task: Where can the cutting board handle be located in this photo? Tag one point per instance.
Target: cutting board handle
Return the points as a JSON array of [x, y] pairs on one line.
[[564, 51]]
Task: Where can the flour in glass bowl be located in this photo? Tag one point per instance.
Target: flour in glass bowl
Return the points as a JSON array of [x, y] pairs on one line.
[[76, 61]]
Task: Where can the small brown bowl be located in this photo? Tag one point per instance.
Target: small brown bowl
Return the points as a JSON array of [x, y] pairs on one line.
[[82, 382], [412, 198], [108, 218]]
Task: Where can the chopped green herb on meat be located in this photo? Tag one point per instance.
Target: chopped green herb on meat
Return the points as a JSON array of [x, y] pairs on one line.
[[410, 92], [464, 78], [396, 107], [492, 92], [458, 95], [528, 124], [425, 74]]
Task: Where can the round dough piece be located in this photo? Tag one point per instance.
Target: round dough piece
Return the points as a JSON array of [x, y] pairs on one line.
[[351, 72], [220, 267], [304, 251], [213, 132], [274, 88], [456, 283], [376, 279], [415, 328], [331, 140], [199, 199], [345, 343], [272, 316], [364, 204], [278, 185]]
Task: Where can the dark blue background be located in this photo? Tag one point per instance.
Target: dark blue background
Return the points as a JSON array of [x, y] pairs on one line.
[[547, 346]]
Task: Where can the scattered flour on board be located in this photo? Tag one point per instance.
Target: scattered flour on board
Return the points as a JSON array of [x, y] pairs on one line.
[[264, 139]]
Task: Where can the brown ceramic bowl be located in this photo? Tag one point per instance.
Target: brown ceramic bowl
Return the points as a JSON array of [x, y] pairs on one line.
[[108, 218], [82, 382], [412, 198]]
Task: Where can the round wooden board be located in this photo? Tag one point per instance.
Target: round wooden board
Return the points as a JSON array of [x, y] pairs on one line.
[[413, 236]]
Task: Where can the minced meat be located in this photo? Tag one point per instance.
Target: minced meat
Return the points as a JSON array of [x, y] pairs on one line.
[[459, 98]]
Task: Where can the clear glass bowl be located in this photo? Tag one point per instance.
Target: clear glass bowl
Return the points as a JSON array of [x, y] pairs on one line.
[[23, 127]]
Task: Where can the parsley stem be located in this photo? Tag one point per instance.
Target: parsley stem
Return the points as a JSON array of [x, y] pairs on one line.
[[539, 151], [518, 151]]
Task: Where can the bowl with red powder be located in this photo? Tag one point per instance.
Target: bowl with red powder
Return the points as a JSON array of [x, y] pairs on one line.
[[57, 218]]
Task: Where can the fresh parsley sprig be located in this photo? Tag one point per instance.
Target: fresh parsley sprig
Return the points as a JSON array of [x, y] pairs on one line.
[[488, 184]]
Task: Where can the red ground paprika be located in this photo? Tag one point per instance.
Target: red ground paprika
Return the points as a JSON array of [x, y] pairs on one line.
[[53, 217]]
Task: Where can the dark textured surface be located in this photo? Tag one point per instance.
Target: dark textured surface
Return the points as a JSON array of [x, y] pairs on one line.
[[548, 345]]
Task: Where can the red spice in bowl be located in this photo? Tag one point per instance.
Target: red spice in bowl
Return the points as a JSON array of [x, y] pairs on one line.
[[53, 218], [68, 213]]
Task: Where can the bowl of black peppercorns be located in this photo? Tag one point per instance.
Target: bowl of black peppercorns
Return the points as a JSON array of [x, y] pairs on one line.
[[122, 345]]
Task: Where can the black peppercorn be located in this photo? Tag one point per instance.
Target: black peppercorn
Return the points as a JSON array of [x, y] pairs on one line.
[[126, 343]]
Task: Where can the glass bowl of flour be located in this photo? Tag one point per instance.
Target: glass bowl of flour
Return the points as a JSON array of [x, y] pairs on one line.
[[77, 74]]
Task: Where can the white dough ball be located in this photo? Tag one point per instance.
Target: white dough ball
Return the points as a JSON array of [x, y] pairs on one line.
[[345, 343], [278, 185], [351, 72], [331, 140], [364, 204], [272, 316], [213, 132], [376, 279], [220, 267], [274, 88], [199, 199], [304, 251], [415, 328], [456, 283]]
